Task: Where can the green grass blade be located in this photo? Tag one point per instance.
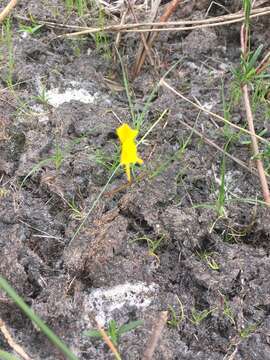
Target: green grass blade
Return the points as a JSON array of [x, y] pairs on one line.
[[127, 87], [140, 119], [36, 320], [247, 10], [255, 57], [154, 125], [7, 356], [35, 168], [92, 333], [113, 332], [222, 191], [94, 204], [130, 326]]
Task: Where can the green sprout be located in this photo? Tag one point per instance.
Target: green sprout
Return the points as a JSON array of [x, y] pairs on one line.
[[153, 244], [108, 161], [176, 319], [42, 97], [227, 310], [198, 316], [219, 204], [209, 259], [228, 313], [246, 72], [101, 38], [79, 5], [57, 157], [76, 212], [114, 331], [30, 29], [247, 331]]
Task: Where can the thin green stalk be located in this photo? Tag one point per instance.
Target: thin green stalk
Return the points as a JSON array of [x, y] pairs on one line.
[[140, 118], [127, 88], [222, 190], [154, 125], [94, 204], [36, 320], [7, 356]]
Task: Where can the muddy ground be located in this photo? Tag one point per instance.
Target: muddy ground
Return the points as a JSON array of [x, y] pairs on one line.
[[58, 150]]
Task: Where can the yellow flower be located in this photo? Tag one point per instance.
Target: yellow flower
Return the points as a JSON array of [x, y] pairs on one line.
[[129, 155]]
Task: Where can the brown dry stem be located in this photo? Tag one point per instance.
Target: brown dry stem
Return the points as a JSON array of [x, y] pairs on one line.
[[164, 18], [255, 147], [16, 347], [143, 38], [108, 341], [7, 10], [263, 64], [183, 25], [155, 336], [141, 49]]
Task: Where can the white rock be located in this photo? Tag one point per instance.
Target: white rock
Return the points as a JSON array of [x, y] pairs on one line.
[[102, 302]]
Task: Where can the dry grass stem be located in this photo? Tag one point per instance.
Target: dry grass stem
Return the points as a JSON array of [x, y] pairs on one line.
[[184, 25], [7, 10], [16, 347], [213, 144], [255, 147], [141, 49], [118, 36], [170, 9], [143, 38], [155, 336], [263, 64], [122, 27], [216, 116]]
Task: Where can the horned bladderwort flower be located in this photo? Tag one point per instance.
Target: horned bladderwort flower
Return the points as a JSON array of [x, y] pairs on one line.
[[129, 155]]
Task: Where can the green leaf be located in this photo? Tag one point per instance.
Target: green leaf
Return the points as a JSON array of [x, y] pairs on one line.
[[255, 57], [36, 320], [113, 331], [30, 29], [7, 356], [92, 333], [130, 326]]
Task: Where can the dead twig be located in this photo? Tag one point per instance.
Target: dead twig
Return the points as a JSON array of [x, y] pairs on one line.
[[223, 20], [142, 35], [232, 356], [141, 56], [184, 25], [255, 147], [155, 336], [16, 347], [118, 36], [7, 10], [263, 64], [153, 15]]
